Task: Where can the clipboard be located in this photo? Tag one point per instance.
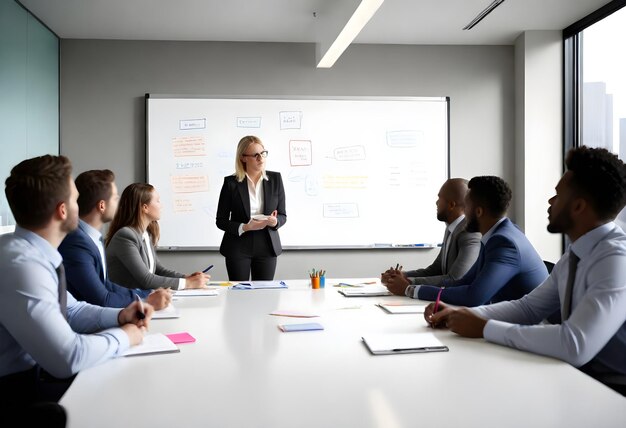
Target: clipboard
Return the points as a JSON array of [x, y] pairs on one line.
[[403, 343], [364, 292]]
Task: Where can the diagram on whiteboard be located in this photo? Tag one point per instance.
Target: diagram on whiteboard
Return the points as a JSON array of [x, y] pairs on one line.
[[358, 173]]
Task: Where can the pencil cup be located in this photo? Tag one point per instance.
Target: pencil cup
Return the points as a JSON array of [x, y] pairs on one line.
[[322, 281], [315, 282]]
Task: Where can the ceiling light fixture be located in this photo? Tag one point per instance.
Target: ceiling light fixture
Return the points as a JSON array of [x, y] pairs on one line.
[[358, 20], [482, 14]]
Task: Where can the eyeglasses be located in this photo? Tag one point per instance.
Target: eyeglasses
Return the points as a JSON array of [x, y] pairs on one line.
[[258, 156]]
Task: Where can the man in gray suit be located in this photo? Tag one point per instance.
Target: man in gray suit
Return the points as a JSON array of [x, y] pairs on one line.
[[459, 250]]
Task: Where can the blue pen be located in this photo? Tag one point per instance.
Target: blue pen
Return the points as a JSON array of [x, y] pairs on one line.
[[207, 269]]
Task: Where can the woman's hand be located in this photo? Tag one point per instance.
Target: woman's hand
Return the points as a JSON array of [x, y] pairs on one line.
[[197, 280]]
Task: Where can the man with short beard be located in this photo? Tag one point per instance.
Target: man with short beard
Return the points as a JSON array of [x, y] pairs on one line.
[[508, 266], [588, 283]]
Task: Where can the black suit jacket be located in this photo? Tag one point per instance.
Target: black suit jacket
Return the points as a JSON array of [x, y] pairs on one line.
[[234, 208]]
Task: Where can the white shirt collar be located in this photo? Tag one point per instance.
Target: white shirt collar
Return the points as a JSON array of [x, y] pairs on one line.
[[93, 233], [584, 245], [452, 226]]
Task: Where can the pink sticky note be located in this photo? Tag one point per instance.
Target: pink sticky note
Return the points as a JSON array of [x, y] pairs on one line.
[[181, 337]]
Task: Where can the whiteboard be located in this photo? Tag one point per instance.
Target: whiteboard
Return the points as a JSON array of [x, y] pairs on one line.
[[358, 172]]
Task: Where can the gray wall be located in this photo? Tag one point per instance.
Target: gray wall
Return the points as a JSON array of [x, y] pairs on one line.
[[103, 84]]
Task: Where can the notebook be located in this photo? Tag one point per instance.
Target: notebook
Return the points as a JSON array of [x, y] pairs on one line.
[[153, 343], [169, 311], [399, 308], [257, 285], [364, 292], [309, 326], [189, 292], [403, 343]]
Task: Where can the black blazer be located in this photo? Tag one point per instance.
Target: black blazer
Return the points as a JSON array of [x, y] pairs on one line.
[[234, 208]]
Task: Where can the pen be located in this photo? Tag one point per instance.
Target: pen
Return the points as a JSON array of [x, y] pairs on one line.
[[207, 269], [140, 313], [436, 308]]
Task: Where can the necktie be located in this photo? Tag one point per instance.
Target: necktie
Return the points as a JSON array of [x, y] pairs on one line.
[[62, 290], [445, 248], [569, 287]]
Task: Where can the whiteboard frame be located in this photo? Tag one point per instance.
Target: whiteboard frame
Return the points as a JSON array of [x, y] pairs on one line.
[[149, 96]]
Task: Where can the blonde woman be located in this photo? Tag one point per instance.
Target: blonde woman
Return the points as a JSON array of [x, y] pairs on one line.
[[250, 211], [134, 231]]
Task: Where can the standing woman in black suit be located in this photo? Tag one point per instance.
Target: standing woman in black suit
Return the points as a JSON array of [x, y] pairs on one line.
[[250, 211]]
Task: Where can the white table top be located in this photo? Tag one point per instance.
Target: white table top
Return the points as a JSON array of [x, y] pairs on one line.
[[242, 371]]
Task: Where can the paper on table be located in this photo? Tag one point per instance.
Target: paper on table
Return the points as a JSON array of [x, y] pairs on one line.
[[403, 343], [398, 308], [182, 337], [295, 314], [221, 284], [257, 285], [187, 292], [365, 292], [309, 326], [169, 311], [153, 343]]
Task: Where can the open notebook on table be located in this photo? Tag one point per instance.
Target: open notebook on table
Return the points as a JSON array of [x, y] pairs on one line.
[[153, 343], [403, 343]]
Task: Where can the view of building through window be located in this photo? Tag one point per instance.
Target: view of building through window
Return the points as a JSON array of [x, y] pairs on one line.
[[604, 84], [604, 87]]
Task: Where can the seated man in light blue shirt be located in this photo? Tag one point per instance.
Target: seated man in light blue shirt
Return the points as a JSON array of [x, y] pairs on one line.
[[47, 336], [588, 284]]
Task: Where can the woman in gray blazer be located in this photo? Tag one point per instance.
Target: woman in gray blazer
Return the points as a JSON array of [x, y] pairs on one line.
[[134, 231]]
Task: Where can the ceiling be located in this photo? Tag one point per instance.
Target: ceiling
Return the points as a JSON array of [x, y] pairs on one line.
[[396, 22]]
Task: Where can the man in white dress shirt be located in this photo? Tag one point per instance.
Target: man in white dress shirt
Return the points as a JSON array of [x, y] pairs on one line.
[[588, 284]]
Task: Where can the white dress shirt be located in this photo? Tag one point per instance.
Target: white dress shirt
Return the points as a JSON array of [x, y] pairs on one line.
[[255, 191], [96, 237]]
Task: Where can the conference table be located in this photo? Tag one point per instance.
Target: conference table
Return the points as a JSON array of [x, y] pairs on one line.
[[243, 371]]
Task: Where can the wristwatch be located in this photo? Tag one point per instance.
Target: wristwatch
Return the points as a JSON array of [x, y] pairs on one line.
[[409, 290]]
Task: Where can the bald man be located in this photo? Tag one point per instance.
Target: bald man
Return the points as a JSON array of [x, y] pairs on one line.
[[459, 250]]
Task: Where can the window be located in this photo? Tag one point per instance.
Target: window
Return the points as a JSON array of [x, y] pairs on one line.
[[595, 82]]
